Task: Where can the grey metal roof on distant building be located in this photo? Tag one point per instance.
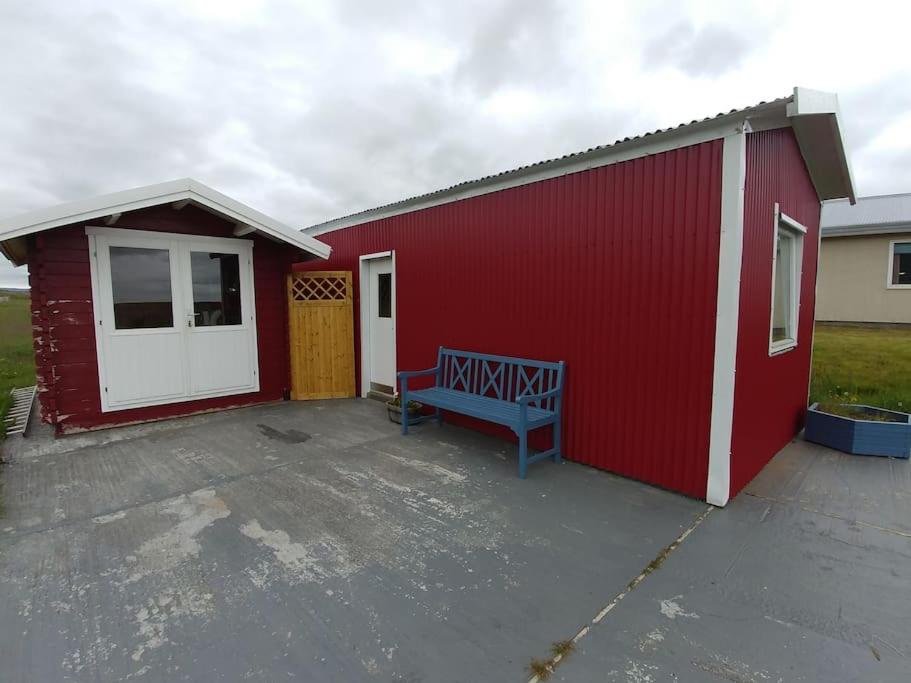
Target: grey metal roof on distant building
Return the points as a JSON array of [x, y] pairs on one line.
[[883, 214]]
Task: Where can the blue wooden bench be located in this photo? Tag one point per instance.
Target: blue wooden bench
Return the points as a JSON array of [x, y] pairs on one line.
[[519, 393]]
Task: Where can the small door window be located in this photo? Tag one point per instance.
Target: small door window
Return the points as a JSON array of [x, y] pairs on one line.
[[141, 288], [216, 288], [384, 292]]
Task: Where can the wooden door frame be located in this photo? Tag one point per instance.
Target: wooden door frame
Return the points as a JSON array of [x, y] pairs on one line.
[[364, 305]]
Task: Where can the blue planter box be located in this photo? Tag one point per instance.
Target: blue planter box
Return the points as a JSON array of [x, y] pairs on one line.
[[858, 436]]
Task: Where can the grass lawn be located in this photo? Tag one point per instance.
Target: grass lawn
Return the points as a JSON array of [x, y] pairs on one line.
[[862, 365], [17, 361]]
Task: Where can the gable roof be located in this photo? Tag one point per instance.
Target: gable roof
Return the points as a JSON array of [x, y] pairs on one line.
[[187, 190], [814, 115], [883, 214]]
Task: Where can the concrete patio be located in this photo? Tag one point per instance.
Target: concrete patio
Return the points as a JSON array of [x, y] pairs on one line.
[[309, 541]]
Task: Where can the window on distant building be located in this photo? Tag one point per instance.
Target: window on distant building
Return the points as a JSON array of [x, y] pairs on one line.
[[787, 260], [900, 265]]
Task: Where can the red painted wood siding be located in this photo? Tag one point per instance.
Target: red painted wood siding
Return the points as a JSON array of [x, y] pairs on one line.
[[770, 393], [64, 328], [613, 270]]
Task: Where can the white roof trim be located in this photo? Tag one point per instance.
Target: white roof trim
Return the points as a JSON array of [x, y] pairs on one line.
[[694, 133], [185, 189], [813, 114], [816, 119]]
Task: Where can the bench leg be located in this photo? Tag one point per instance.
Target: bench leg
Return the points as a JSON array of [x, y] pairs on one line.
[[557, 456], [439, 417], [404, 405], [523, 454]]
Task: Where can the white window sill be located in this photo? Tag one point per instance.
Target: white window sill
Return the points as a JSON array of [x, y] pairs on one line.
[[898, 286], [782, 347]]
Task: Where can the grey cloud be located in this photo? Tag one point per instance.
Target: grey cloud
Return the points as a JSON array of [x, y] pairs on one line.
[[299, 111], [709, 50], [517, 43]]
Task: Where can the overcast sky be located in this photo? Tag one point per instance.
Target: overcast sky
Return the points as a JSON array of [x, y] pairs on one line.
[[309, 110]]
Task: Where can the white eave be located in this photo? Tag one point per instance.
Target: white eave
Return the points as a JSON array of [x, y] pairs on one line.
[[816, 120], [813, 115], [176, 192]]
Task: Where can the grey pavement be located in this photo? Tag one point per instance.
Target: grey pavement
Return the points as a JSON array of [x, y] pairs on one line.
[[311, 542]]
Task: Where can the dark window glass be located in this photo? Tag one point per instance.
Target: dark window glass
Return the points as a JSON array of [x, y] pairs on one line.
[[384, 292], [216, 288], [141, 287], [901, 264]]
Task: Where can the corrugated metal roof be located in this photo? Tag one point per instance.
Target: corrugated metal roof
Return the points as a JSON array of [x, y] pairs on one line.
[[566, 159], [871, 215]]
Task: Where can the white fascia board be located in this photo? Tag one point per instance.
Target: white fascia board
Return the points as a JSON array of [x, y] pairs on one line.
[[771, 115], [816, 118], [730, 257], [183, 190]]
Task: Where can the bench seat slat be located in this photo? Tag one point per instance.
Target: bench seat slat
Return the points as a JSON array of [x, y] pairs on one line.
[[483, 407]]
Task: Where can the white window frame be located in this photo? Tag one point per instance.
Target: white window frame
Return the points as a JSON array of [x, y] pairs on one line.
[[799, 231], [889, 273]]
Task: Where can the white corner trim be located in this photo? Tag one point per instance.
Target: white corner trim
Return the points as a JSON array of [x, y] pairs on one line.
[[730, 256]]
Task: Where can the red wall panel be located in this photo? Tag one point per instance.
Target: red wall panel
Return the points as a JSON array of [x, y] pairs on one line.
[[613, 270], [770, 393], [64, 327]]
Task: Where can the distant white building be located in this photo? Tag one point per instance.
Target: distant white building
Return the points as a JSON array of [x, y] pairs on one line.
[[865, 261]]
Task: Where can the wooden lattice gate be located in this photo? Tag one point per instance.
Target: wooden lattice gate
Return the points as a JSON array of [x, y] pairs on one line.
[[321, 330]]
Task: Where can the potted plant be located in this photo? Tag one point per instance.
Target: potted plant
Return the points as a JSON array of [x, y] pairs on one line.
[[860, 429], [394, 408]]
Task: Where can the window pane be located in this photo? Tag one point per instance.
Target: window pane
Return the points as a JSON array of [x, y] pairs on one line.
[[782, 301], [384, 292], [141, 287], [901, 264], [216, 288]]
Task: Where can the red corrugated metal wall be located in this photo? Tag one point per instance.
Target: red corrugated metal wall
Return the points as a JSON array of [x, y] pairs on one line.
[[770, 393], [64, 330], [613, 270]]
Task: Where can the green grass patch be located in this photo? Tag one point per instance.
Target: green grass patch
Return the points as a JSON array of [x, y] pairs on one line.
[[17, 357], [865, 365]]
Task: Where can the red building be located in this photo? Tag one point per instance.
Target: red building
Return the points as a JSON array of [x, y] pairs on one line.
[[674, 273], [647, 266]]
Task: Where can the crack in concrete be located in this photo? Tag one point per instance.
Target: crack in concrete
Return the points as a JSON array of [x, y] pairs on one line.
[[830, 515], [630, 587]]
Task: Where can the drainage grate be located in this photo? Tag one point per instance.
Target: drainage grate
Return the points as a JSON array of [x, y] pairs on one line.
[[16, 421]]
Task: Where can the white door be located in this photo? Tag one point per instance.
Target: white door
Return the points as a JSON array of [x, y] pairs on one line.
[[174, 316], [221, 348], [381, 322]]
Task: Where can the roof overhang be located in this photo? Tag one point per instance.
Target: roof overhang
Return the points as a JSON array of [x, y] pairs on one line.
[[816, 120], [176, 192], [862, 230]]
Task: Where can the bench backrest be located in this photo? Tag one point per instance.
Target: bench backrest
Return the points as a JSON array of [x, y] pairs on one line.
[[501, 377]]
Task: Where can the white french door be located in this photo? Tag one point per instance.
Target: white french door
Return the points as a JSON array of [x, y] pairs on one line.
[[174, 317]]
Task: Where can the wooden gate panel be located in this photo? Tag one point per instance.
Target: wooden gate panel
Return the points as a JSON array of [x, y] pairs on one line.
[[321, 330]]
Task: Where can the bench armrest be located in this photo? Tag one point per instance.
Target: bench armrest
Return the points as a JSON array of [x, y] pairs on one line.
[[529, 398], [417, 373]]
